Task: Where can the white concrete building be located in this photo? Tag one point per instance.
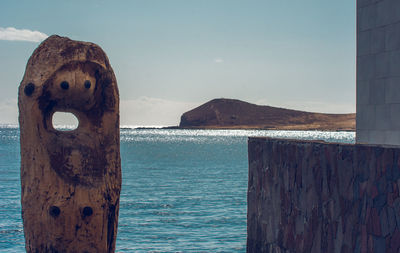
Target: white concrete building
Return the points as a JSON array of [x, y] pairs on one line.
[[378, 72]]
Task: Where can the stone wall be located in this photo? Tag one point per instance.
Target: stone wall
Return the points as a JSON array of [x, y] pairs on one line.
[[306, 196], [378, 71]]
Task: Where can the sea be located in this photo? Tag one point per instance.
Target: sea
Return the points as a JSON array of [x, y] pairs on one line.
[[182, 190]]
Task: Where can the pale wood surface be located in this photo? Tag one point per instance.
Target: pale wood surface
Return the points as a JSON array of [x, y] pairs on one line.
[[71, 180]]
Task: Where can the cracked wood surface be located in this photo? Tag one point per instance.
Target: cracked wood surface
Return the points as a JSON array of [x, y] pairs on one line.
[[70, 180]]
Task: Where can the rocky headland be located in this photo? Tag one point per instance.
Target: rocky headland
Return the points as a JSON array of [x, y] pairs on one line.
[[236, 114]]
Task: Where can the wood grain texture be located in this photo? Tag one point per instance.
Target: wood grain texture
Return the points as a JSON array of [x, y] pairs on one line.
[[71, 180]]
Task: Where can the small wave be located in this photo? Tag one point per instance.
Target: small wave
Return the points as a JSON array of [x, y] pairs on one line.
[[9, 125], [141, 126], [196, 135]]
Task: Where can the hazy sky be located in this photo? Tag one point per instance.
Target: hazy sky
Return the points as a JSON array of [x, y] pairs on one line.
[[170, 56]]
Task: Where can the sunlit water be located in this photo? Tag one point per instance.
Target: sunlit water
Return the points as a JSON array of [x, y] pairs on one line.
[[182, 190]]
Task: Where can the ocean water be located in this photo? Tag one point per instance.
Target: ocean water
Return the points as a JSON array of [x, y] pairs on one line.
[[182, 190]]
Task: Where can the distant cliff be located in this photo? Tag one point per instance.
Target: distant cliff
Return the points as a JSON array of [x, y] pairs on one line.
[[231, 113]]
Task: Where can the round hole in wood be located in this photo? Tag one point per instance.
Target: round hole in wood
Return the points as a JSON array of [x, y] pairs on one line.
[[54, 211], [65, 121], [87, 211], [87, 84], [29, 89], [64, 85]]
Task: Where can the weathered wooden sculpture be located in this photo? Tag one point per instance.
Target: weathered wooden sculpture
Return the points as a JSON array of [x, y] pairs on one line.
[[71, 180]]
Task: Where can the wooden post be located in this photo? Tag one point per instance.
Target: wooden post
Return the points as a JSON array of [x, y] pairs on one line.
[[71, 180]]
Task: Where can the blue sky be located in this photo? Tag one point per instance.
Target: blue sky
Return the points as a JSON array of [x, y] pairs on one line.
[[172, 55]]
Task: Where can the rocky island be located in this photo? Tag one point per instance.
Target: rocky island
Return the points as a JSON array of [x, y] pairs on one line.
[[236, 114]]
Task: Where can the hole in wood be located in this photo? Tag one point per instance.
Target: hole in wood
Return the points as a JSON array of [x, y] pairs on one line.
[[54, 211], [64, 85], [29, 89], [87, 211], [65, 121]]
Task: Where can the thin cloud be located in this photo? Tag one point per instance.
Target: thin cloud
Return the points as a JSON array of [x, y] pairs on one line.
[[13, 34], [218, 60], [143, 111], [148, 111], [9, 111]]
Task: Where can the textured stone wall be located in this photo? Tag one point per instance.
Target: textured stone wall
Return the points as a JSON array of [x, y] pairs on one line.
[[378, 71], [306, 196]]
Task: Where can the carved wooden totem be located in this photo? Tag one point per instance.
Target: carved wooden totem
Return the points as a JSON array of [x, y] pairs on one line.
[[71, 180]]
